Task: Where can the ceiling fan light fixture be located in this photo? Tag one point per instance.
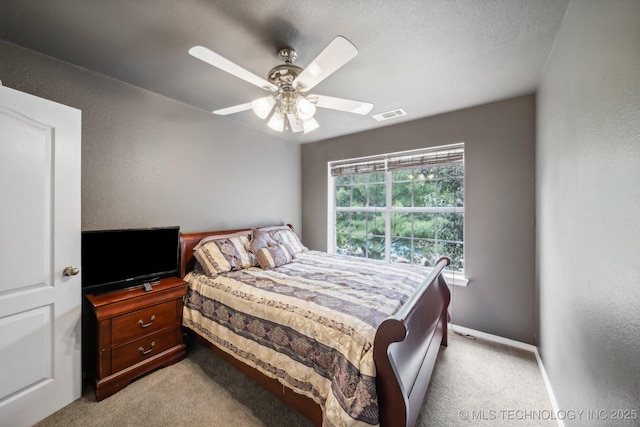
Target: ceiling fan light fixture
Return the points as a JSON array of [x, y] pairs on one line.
[[288, 105], [305, 108], [276, 122], [309, 125], [263, 106]]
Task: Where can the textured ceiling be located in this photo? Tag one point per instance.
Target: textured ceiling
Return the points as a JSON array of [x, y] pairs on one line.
[[426, 56]]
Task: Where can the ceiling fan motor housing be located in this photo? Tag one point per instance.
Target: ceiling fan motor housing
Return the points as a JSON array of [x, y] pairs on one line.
[[283, 76]]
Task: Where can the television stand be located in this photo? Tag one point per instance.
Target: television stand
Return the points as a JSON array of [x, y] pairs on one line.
[[133, 332]]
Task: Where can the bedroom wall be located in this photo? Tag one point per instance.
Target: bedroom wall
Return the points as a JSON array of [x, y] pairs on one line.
[[499, 204], [150, 161], [588, 169]]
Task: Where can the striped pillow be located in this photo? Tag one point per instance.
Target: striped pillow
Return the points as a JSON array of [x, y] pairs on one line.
[[224, 254], [284, 234], [273, 256]]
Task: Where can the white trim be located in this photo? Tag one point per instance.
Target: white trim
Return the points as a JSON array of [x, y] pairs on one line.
[[455, 278], [331, 211], [522, 346], [547, 384], [494, 338]]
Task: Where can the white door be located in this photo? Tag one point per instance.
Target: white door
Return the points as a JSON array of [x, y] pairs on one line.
[[40, 307]]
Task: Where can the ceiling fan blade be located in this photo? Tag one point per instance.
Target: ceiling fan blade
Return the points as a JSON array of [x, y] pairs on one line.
[[234, 109], [342, 104], [339, 52], [212, 58], [296, 126]]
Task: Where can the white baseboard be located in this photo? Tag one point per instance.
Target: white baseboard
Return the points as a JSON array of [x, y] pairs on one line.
[[547, 384], [516, 344], [494, 338]]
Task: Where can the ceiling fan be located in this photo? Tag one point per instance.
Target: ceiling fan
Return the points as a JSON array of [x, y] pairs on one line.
[[289, 86]]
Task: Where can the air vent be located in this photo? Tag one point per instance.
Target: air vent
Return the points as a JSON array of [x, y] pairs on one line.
[[390, 115]]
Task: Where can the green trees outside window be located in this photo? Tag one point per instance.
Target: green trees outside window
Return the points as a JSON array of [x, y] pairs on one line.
[[412, 215]]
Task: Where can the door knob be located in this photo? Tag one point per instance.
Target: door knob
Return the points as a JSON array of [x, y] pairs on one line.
[[70, 271]]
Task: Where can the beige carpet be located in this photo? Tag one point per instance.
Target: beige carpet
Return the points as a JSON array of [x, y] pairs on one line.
[[475, 382]]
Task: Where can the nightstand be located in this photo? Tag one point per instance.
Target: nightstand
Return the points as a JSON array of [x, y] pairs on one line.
[[132, 332]]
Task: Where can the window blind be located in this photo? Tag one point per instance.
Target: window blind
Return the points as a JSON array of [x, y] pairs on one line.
[[415, 159]]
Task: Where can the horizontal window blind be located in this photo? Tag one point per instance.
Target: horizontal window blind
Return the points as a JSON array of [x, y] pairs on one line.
[[415, 159]]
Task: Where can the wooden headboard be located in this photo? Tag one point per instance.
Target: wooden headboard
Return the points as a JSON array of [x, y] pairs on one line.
[[188, 241]]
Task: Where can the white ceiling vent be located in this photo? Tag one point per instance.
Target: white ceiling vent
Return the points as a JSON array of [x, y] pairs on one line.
[[389, 115]]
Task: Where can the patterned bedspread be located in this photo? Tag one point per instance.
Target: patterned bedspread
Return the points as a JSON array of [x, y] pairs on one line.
[[310, 324]]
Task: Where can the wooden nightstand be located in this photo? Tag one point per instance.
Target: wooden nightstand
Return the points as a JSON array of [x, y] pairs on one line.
[[133, 332]]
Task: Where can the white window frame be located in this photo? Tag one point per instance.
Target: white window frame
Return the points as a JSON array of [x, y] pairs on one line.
[[451, 277]]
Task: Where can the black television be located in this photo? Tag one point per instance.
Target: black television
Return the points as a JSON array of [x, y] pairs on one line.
[[119, 259]]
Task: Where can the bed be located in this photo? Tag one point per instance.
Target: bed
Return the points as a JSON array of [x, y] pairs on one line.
[[343, 340]]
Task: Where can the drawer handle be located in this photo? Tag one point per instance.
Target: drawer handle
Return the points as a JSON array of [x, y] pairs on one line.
[[146, 325], [143, 351]]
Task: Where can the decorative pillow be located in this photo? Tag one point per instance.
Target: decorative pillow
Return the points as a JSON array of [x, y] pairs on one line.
[[204, 240], [284, 234], [261, 239], [273, 256], [222, 254]]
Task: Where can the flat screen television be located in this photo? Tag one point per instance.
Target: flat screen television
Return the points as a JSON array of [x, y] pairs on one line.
[[118, 259]]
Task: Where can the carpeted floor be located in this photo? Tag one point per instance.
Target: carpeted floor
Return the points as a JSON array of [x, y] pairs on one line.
[[475, 382]]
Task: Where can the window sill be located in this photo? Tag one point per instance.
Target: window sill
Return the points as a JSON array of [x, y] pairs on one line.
[[456, 279]]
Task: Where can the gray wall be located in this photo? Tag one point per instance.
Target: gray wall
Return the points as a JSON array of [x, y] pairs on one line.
[[499, 204], [588, 192], [150, 161]]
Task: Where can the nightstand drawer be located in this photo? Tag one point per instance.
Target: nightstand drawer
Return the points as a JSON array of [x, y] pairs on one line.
[[143, 348], [132, 332], [142, 322]]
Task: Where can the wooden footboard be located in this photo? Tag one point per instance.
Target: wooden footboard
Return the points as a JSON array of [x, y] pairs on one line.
[[405, 348]]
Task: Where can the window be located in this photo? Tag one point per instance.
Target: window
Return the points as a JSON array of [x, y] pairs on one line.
[[405, 207]]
